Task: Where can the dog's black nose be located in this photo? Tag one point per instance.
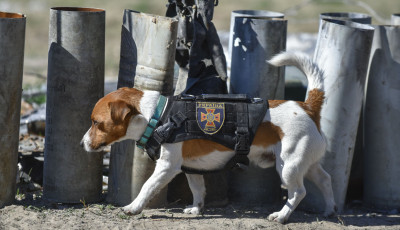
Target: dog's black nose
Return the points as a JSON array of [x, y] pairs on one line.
[[81, 144]]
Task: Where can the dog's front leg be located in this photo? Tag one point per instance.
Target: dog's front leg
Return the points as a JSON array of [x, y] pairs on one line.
[[196, 184], [167, 167]]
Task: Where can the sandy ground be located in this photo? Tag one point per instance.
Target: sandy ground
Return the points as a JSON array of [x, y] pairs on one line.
[[29, 211]]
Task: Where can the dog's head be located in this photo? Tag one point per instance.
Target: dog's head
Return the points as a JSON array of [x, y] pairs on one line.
[[111, 117]]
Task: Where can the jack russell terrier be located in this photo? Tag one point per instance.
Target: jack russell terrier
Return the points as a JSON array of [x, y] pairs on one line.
[[288, 137]]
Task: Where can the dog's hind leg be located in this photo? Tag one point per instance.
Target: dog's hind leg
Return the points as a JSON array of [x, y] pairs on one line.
[[322, 180], [197, 186], [296, 192]]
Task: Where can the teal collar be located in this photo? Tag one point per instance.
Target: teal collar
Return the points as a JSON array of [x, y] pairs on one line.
[[162, 101]]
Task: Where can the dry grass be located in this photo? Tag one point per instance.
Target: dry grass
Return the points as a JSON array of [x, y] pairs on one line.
[[304, 19]]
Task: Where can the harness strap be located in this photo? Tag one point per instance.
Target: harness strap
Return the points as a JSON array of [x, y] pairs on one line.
[[162, 133], [153, 122], [242, 146]]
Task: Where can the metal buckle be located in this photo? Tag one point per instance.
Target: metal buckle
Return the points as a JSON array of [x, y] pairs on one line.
[[242, 142], [187, 97]]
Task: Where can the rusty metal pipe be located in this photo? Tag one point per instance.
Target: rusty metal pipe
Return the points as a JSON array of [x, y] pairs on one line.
[[75, 83], [12, 44]]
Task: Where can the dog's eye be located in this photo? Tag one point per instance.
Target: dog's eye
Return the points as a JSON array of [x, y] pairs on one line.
[[95, 122]]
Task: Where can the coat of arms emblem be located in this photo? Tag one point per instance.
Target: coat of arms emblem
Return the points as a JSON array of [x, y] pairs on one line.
[[210, 116]]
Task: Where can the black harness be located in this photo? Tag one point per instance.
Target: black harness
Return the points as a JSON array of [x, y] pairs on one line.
[[228, 119]]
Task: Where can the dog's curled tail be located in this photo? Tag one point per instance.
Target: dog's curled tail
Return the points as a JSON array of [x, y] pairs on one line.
[[304, 63], [315, 76]]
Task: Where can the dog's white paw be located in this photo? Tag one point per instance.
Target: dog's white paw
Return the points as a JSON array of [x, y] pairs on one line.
[[131, 210], [278, 217], [192, 210]]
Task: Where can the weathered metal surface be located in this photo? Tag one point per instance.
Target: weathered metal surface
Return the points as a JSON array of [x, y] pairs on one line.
[[356, 174], [247, 13], [75, 83], [342, 52], [347, 16], [395, 19], [381, 121], [147, 61], [12, 44], [255, 40], [155, 38]]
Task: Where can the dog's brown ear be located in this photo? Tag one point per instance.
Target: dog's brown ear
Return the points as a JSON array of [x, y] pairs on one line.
[[120, 110]]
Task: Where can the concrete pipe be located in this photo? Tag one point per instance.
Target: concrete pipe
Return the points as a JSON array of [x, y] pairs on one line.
[[395, 19], [381, 121], [255, 41], [75, 83], [151, 64], [342, 52], [247, 13], [12, 43]]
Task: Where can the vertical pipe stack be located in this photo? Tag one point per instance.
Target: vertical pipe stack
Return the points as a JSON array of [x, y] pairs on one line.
[[153, 40], [12, 44], [255, 40], [75, 83], [342, 52], [381, 121]]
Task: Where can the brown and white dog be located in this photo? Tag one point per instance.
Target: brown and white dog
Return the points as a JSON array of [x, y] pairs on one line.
[[289, 137]]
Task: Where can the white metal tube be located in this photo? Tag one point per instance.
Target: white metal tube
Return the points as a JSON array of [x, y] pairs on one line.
[[342, 52], [381, 121]]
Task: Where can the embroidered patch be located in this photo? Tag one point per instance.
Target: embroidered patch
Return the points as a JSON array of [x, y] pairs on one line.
[[210, 116]]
